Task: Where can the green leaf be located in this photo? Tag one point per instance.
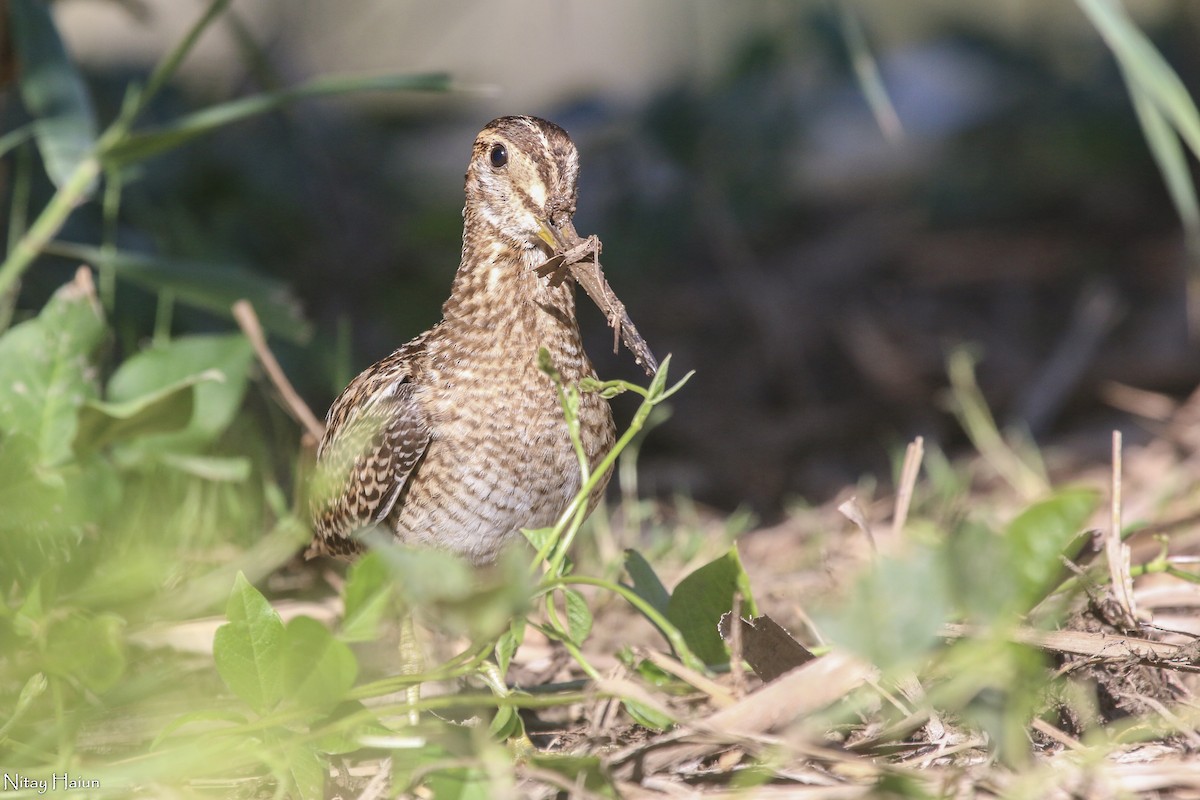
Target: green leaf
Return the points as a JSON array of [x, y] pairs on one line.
[[1146, 67], [896, 610], [41, 513], [579, 616], [163, 366], [506, 723], [46, 371], [367, 596], [702, 597], [34, 687], [445, 586], [508, 643], [573, 767], [306, 772], [538, 537], [52, 90], [205, 715], [652, 673], [1039, 535], [318, 670], [342, 738], [461, 783], [211, 286], [227, 469], [249, 649], [161, 411], [144, 144], [646, 584], [88, 648], [647, 717]]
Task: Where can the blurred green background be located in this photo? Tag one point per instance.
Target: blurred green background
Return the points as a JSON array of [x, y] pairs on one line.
[[809, 203]]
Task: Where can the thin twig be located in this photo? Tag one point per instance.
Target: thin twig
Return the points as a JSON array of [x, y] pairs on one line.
[[1116, 551], [247, 320], [718, 695], [908, 481], [737, 669], [852, 511]]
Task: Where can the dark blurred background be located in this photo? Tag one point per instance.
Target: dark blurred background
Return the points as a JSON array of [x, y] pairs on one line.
[[812, 256]]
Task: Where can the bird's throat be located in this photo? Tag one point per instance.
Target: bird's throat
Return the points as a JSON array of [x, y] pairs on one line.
[[497, 286]]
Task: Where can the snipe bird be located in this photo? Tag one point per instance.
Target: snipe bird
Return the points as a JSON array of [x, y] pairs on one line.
[[456, 440]]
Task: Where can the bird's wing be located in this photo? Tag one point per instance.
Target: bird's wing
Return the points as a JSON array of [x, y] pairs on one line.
[[376, 434]]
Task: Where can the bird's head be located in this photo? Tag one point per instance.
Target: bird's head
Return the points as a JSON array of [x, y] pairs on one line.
[[521, 182]]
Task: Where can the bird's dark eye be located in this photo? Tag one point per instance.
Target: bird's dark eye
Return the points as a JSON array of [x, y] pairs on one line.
[[499, 156]]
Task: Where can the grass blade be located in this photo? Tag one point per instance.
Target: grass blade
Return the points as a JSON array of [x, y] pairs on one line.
[[211, 286], [139, 146], [53, 92]]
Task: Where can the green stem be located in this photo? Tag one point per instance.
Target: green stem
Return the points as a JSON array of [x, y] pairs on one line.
[[75, 189], [49, 222], [167, 67], [672, 634], [108, 247], [464, 663], [635, 426]]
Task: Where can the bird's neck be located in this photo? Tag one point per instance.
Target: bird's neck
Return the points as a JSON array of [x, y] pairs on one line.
[[497, 285]]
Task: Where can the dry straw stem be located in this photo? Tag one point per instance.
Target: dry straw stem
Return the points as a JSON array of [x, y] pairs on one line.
[[1116, 551], [718, 695], [801, 692], [913, 455], [852, 511], [247, 320], [1103, 646]]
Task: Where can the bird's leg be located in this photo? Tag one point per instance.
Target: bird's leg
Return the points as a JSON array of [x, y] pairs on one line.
[[412, 662]]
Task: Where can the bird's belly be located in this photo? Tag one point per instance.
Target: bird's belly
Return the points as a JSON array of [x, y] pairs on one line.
[[497, 465]]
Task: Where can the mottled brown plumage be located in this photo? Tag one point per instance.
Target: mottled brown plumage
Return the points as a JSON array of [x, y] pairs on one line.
[[456, 440]]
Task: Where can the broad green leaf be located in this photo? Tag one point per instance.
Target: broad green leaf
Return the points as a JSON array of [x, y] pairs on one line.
[[895, 610], [88, 648], [651, 673], [227, 469], [317, 669], [31, 496], [700, 599], [342, 739], [461, 783], [46, 371], [506, 723], [144, 144], [458, 596], [591, 768], [1039, 535], [579, 616], [538, 537], [508, 643], [204, 715], [249, 649], [211, 286], [160, 367], [647, 717], [645, 581], [978, 566], [306, 772], [44, 511], [52, 90], [160, 411], [34, 687], [366, 598]]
